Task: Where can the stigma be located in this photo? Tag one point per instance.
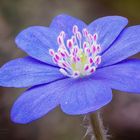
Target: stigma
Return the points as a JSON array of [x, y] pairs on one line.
[[78, 55]]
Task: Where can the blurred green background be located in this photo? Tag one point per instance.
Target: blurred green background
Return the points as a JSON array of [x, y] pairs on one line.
[[121, 116]]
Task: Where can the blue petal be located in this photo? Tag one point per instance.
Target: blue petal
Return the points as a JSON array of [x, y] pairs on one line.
[[26, 71], [124, 76], [35, 103], [127, 44], [108, 29], [65, 23], [76, 96], [84, 96], [36, 42]]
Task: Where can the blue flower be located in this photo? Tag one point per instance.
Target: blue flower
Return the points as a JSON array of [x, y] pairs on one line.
[[73, 65]]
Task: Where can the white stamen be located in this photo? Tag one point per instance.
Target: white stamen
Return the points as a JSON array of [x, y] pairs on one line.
[[78, 55]]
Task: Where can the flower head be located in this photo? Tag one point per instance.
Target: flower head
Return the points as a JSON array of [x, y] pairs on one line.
[[73, 65]]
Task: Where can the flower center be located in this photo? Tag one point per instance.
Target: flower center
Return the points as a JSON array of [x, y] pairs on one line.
[[78, 55]]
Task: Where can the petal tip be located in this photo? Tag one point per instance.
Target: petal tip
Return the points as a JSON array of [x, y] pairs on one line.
[[18, 117]]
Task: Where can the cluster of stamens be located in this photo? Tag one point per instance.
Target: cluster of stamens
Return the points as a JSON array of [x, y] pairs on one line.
[[78, 55]]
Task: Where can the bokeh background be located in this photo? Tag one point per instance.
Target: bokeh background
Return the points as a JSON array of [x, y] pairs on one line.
[[121, 116]]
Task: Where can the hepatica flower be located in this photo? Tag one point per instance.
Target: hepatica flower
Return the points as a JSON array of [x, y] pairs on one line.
[[73, 65]]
